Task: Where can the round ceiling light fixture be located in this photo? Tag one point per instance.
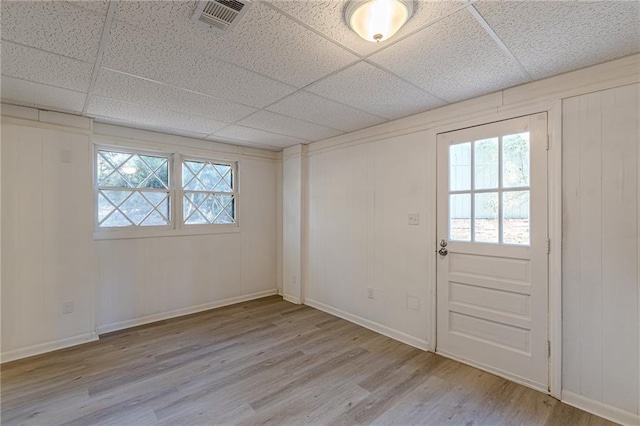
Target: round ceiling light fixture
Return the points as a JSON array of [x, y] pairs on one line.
[[377, 20]]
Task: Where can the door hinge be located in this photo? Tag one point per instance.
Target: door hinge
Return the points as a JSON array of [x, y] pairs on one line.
[[548, 348], [548, 246], [548, 142]]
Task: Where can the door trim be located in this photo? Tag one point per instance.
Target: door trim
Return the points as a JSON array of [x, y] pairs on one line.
[[554, 171]]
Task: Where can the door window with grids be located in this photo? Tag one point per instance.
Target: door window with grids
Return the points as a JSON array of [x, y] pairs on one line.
[[489, 190]]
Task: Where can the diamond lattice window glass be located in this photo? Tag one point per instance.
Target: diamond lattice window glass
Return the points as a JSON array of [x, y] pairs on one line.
[[132, 189], [209, 195]]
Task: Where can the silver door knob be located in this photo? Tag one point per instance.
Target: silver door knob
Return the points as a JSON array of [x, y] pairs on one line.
[[443, 243], [443, 251]]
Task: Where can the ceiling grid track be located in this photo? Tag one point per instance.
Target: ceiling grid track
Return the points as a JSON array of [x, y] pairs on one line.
[[474, 12], [106, 32], [380, 67]]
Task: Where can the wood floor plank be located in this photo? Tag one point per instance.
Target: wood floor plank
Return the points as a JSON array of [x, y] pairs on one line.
[[268, 362]]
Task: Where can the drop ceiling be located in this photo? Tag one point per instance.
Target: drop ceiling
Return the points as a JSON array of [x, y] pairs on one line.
[[291, 71]]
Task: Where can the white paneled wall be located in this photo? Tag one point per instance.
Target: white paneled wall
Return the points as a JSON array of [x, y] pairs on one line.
[[601, 283], [146, 279], [47, 247], [292, 220], [359, 237], [362, 185], [49, 255]]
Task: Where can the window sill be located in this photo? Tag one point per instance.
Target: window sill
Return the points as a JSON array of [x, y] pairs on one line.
[[162, 233]]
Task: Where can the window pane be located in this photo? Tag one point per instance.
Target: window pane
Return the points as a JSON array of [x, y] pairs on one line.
[[460, 167], [225, 184], [201, 176], [190, 205], [486, 163], [160, 215], [486, 228], [516, 217], [460, 217], [190, 179], [120, 170], [136, 208], [116, 219], [116, 159], [515, 160], [226, 213], [108, 201], [202, 208]]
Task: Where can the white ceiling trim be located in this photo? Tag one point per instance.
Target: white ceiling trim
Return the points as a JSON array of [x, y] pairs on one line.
[[474, 12], [106, 31]]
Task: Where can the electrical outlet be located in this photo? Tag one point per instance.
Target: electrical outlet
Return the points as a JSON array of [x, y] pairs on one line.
[[370, 293], [67, 307], [414, 219]]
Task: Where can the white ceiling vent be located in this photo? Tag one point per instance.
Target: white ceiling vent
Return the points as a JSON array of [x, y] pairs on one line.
[[221, 14]]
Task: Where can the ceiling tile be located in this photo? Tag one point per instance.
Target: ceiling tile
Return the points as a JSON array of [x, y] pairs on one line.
[[147, 116], [146, 55], [153, 128], [277, 123], [550, 38], [309, 107], [371, 89], [98, 6], [454, 59], [124, 87], [53, 26], [327, 16], [264, 41], [44, 67], [40, 95], [246, 134]]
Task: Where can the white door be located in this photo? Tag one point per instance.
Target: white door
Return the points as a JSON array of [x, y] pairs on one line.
[[492, 284]]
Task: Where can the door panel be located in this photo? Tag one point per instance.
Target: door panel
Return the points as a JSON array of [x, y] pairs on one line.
[[492, 289]]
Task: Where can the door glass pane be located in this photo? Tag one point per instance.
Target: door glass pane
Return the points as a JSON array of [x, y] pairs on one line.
[[486, 228], [515, 223], [486, 164], [460, 167], [460, 217], [515, 160]]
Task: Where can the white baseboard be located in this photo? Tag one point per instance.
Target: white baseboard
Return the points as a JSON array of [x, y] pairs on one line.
[[47, 347], [292, 299], [108, 328], [600, 409], [378, 328]]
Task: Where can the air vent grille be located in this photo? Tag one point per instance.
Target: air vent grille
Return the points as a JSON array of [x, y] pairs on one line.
[[221, 14], [232, 4]]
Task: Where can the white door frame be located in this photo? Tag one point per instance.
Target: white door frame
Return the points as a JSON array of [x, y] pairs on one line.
[[554, 156]]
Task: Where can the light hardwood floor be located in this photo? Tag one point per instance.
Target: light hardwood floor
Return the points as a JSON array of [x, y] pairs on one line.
[[264, 362]]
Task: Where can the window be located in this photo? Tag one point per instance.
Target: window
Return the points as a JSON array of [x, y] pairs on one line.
[[139, 189], [208, 196], [133, 189], [489, 190]]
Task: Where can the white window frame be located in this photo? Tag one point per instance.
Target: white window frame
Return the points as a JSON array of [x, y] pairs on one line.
[[96, 188], [234, 188], [176, 227]]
